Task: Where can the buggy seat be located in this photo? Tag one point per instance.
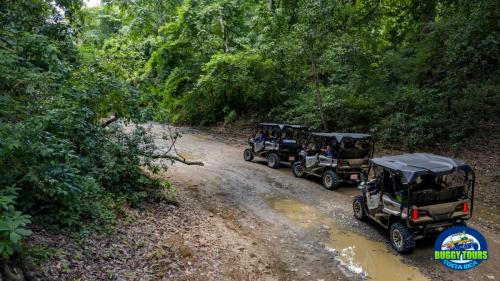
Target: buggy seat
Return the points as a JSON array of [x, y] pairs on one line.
[[290, 145], [353, 154], [431, 196], [325, 159], [271, 144]]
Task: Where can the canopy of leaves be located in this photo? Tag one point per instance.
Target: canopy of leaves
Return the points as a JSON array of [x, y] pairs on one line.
[[411, 72]]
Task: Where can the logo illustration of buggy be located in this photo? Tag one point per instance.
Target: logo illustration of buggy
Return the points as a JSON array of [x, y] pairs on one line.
[[460, 248]]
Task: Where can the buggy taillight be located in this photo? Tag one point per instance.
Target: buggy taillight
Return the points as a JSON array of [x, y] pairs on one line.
[[465, 207], [414, 214]]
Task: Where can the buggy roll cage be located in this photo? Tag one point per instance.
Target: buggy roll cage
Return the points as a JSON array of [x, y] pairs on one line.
[[409, 169], [342, 138], [281, 128]]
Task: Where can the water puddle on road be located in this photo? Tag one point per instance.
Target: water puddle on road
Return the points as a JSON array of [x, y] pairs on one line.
[[355, 252]]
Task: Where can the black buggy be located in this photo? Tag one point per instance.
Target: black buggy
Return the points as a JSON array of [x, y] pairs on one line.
[[335, 157], [276, 142], [413, 195]]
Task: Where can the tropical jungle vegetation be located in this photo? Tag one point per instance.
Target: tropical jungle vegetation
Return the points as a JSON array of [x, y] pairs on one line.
[[410, 72]]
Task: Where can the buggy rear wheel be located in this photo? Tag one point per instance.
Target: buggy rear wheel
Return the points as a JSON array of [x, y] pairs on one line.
[[248, 154], [298, 169], [273, 160], [402, 239], [359, 208], [330, 180]]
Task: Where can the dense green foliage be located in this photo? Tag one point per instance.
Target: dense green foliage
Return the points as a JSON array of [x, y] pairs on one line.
[[58, 166], [412, 72]]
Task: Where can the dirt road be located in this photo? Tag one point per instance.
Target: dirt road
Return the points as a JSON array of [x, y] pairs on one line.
[[303, 230]]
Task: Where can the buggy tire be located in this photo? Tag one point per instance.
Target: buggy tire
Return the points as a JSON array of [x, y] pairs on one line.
[[359, 208], [402, 239], [248, 154], [299, 170], [273, 160], [330, 180]]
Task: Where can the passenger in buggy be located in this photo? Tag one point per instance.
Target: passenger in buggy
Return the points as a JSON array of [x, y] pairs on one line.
[[328, 151], [288, 137], [272, 140], [398, 188]]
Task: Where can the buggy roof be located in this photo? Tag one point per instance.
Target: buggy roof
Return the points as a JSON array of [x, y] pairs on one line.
[[416, 164], [341, 136], [281, 126]]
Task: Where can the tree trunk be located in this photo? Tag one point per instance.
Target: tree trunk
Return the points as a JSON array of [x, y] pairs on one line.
[[225, 34], [319, 98]]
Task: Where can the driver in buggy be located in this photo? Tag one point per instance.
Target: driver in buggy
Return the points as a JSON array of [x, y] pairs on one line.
[[262, 136], [393, 187], [260, 140], [373, 192]]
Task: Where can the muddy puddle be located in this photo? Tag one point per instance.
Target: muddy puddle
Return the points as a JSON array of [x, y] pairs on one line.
[[353, 251]]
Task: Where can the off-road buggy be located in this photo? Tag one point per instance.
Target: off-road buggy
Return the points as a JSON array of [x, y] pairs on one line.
[[335, 157], [276, 142], [414, 195]]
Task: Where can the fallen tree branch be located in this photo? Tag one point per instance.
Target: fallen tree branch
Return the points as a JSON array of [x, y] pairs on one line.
[[109, 121], [174, 137], [176, 158]]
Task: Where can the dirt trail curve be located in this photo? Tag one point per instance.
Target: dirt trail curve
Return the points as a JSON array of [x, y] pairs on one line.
[[304, 231]]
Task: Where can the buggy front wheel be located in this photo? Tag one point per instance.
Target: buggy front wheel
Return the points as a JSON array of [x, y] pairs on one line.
[[330, 180], [298, 169], [248, 154], [359, 208], [273, 160]]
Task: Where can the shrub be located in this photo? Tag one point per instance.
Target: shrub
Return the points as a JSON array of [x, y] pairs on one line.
[[12, 223]]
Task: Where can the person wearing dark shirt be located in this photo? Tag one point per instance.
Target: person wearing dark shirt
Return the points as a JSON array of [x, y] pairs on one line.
[[328, 151], [262, 137]]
